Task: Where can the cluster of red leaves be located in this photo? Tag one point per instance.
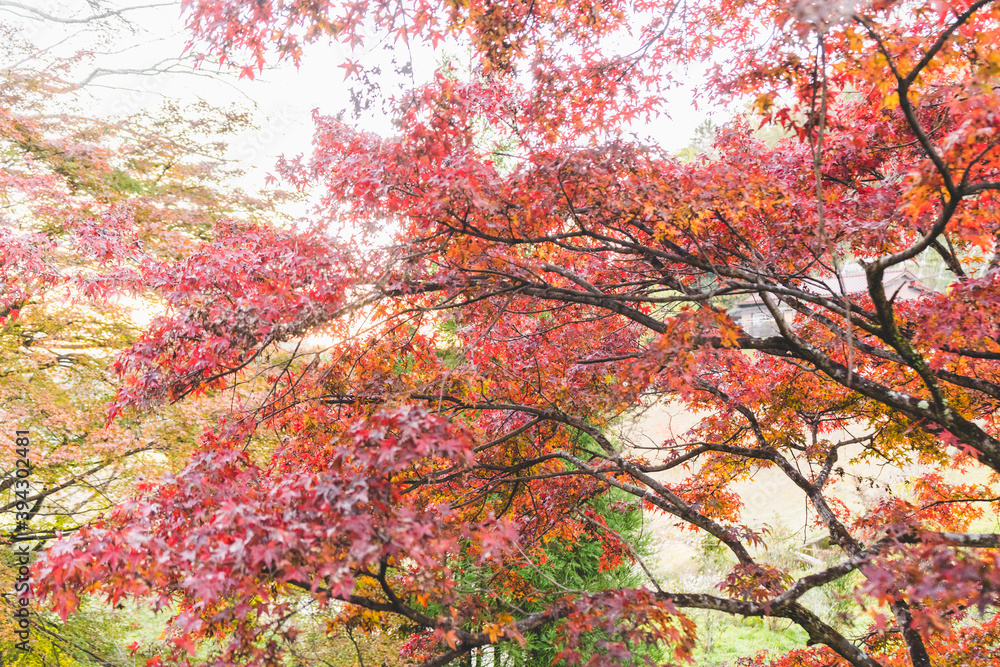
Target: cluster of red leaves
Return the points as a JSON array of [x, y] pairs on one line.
[[224, 538], [252, 286]]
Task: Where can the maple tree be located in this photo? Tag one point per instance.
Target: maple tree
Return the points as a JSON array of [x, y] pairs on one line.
[[423, 381], [84, 201]]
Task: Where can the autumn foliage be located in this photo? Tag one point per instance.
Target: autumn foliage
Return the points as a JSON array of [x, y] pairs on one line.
[[423, 382]]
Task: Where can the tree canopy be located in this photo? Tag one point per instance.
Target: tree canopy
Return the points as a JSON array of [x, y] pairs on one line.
[[85, 199], [423, 381]]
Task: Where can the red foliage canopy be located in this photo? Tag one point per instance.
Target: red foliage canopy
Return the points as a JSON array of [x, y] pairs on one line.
[[425, 378]]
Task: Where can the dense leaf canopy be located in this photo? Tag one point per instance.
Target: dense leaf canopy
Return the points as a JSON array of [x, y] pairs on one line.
[[424, 381]]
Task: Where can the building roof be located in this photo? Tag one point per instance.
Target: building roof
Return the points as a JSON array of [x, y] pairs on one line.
[[854, 282]]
